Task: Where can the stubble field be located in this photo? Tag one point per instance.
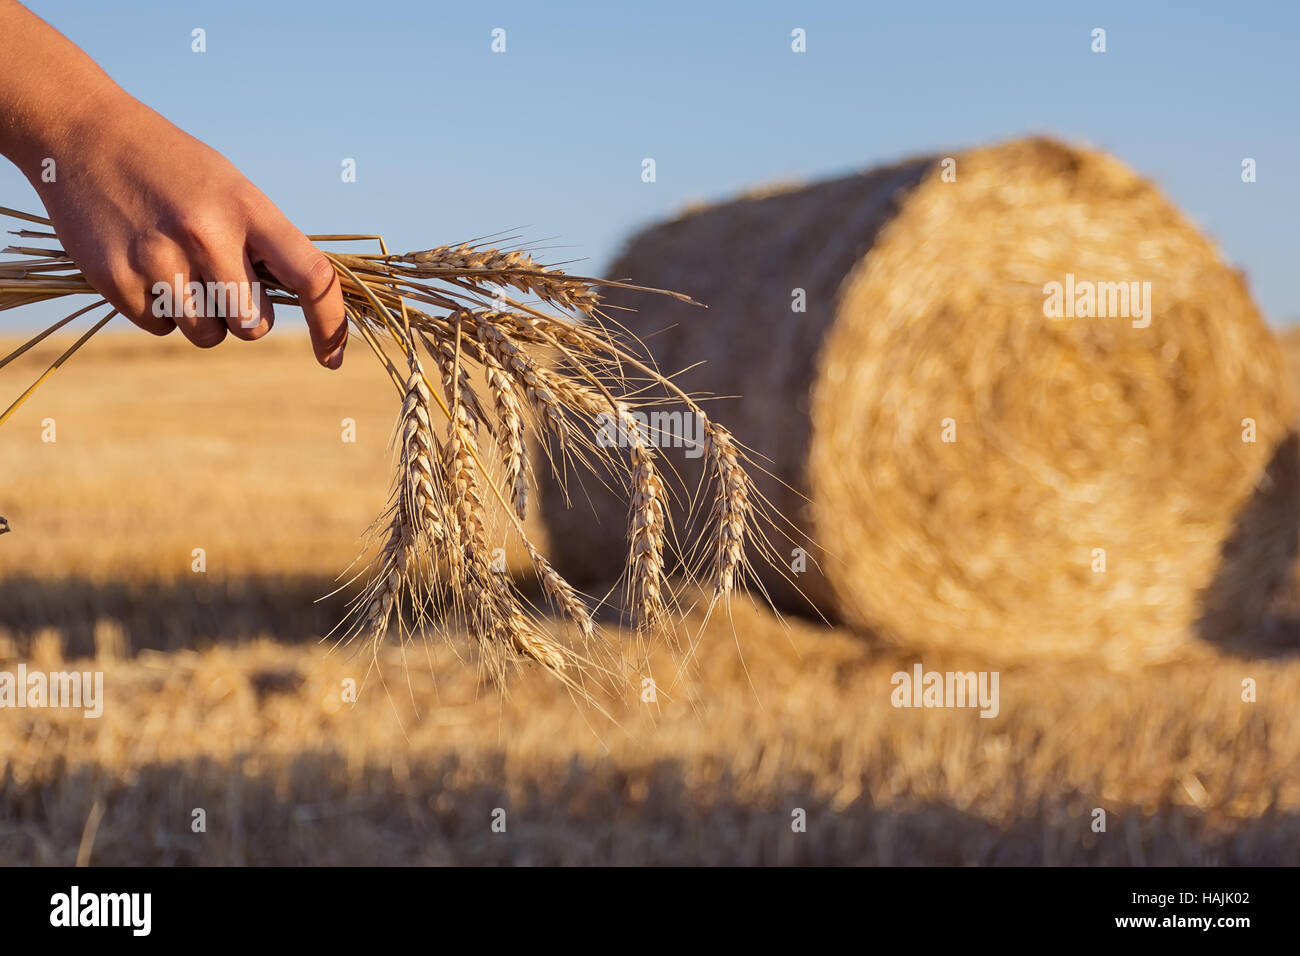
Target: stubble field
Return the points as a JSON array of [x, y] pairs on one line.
[[780, 745]]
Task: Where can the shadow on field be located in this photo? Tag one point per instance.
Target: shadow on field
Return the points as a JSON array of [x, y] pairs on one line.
[[187, 613], [182, 614], [313, 809], [1261, 548]]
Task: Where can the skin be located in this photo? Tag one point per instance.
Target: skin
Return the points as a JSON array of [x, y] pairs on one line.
[[137, 201]]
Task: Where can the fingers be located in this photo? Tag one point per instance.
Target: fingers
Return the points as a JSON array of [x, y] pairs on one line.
[[265, 315], [198, 320], [200, 276], [201, 282], [233, 294], [150, 305], [147, 292], [177, 295], [156, 316], [305, 269]]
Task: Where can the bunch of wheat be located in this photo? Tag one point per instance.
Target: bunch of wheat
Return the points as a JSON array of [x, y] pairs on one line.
[[555, 369]]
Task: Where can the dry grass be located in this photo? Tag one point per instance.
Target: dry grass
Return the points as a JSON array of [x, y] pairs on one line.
[[159, 451], [241, 712], [258, 737]]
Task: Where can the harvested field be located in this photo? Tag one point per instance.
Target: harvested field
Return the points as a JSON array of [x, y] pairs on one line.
[[220, 697]]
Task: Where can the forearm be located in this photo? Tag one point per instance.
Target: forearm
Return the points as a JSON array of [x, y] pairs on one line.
[[52, 95]]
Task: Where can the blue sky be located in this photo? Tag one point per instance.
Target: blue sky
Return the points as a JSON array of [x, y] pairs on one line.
[[453, 141]]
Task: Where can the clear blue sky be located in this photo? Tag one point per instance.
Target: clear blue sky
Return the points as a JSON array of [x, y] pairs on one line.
[[453, 141]]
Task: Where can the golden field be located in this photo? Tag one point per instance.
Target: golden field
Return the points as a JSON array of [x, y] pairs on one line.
[[221, 696]]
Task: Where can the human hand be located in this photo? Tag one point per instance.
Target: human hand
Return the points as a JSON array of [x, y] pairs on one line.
[[137, 201]]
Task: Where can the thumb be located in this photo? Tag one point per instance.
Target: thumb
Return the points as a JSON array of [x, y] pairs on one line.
[[302, 267]]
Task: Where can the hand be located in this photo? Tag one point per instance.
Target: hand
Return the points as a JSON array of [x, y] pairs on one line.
[[137, 201]]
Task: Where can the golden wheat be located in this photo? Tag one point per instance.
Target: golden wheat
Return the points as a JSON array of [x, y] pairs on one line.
[[557, 378]]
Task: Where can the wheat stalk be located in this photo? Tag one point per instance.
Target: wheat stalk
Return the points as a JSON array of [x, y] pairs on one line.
[[553, 377], [646, 526], [731, 509]]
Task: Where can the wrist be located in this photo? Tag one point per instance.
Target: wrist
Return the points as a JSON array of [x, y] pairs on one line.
[[70, 123]]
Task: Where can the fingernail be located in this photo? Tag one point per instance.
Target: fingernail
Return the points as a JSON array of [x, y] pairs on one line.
[[334, 359]]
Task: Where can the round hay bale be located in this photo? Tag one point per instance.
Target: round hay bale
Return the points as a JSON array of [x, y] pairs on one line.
[[974, 472]]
